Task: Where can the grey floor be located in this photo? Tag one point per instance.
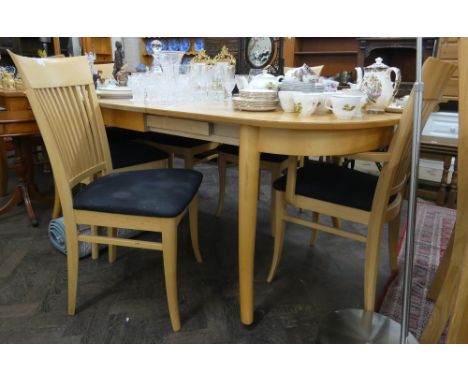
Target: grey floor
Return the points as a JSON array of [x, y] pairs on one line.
[[125, 302]]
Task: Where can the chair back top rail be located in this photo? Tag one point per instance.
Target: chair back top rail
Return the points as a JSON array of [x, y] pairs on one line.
[[62, 96]]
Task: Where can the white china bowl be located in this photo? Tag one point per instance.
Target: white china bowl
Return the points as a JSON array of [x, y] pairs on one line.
[[344, 106]]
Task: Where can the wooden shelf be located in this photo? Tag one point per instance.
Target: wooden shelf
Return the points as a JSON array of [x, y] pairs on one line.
[[101, 46]]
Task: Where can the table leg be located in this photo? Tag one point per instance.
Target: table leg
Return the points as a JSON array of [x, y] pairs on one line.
[[24, 189], [249, 166]]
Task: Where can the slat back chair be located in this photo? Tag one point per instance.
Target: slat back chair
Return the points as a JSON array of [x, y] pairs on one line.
[[66, 108], [387, 197]]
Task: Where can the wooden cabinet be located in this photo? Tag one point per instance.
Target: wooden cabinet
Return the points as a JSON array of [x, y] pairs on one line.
[[101, 46], [336, 53]]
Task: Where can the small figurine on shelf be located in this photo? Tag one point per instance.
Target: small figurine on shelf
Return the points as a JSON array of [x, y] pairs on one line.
[[100, 80], [8, 80], [202, 58], [119, 58], [42, 53], [122, 76], [225, 56]]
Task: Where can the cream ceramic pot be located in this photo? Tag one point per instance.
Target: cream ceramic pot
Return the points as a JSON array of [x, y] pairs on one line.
[[376, 82]]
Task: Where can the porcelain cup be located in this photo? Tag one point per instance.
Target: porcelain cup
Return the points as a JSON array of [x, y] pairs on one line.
[[308, 103], [287, 100], [360, 93], [321, 106], [344, 106]]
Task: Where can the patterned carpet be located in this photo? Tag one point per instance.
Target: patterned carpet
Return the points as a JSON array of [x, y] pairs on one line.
[[433, 229]]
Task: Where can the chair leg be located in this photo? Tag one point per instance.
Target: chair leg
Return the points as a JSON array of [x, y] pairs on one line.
[[3, 168], [170, 160], [280, 227], [57, 210], [371, 269], [314, 233], [169, 242], [188, 161], [336, 222], [259, 183], [393, 238], [94, 246], [193, 221], [112, 249], [222, 183], [275, 174], [72, 266]]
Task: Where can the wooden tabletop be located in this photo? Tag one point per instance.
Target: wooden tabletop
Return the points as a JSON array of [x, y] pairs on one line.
[[11, 93], [223, 112]]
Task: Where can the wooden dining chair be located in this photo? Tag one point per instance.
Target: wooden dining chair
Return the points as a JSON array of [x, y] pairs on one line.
[[192, 151], [273, 163], [64, 102], [352, 195]]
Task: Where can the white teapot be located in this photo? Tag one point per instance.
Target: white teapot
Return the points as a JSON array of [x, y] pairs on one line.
[[265, 81], [377, 84]]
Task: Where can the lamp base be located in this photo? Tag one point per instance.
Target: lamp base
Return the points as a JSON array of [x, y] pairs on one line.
[[356, 326]]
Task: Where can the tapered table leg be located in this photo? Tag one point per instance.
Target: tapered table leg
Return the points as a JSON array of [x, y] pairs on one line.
[[3, 168], [249, 166]]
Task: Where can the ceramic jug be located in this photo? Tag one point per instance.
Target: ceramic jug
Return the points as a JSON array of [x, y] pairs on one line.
[[376, 82]]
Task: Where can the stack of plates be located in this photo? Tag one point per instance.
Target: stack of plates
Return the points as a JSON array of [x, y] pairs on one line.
[[256, 100], [114, 92], [299, 86], [254, 104]]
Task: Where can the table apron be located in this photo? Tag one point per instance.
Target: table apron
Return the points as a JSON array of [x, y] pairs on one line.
[[271, 140], [323, 142]]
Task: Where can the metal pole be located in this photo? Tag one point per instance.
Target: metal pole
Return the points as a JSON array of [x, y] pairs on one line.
[[409, 247]]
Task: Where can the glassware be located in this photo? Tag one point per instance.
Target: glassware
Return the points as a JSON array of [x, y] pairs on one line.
[[242, 81], [136, 83]]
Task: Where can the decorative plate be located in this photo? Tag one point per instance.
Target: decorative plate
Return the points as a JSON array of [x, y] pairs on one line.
[[173, 44], [198, 44], [259, 51], [149, 50], [184, 44]]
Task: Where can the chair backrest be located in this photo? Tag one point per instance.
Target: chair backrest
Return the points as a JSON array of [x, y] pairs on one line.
[[65, 105], [435, 74]]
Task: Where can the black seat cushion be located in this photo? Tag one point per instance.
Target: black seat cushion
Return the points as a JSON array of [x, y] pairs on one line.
[[128, 153], [234, 150], [334, 184], [172, 140], [156, 193], [117, 134]]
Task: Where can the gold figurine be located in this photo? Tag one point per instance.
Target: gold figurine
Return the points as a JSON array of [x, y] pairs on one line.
[[225, 56], [202, 57]]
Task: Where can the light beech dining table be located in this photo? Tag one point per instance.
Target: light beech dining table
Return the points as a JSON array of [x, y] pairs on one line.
[[254, 132]]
